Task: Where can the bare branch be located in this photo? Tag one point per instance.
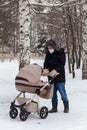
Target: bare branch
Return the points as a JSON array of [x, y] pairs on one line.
[[6, 3], [64, 4]]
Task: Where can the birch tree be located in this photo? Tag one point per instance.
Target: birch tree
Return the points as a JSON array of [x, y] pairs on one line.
[[84, 68], [24, 39]]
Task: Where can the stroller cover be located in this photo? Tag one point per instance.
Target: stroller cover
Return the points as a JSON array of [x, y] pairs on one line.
[[28, 80]]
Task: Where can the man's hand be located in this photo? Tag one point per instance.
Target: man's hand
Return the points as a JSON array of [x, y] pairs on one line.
[[53, 73], [45, 72]]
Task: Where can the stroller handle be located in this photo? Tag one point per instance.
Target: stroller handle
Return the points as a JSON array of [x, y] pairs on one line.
[[51, 80]]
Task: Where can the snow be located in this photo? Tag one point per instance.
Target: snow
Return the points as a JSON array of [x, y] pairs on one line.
[[76, 88]]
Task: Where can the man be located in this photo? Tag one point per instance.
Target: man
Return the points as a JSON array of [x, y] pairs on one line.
[[54, 63]]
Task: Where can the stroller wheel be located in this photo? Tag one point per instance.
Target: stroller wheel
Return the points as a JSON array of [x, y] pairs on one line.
[[43, 112], [13, 113], [23, 115]]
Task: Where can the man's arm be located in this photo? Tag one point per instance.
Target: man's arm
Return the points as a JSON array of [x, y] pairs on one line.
[[61, 64]]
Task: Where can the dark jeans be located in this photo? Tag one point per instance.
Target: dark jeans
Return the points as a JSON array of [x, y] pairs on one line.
[[61, 88]]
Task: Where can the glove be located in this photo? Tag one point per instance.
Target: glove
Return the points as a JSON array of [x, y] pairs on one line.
[[53, 73], [45, 72]]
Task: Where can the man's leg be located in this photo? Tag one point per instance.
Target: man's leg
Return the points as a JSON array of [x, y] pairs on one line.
[[54, 100], [64, 98]]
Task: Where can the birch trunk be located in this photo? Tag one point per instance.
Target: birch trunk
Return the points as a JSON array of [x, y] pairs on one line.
[[24, 40], [84, 68]]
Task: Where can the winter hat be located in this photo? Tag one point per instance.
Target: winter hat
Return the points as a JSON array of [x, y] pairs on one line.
[[52, 43]]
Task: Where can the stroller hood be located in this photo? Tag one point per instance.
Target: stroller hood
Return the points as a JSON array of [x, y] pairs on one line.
[[30, 73]]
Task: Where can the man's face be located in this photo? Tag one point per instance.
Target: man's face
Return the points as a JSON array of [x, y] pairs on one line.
[[50, 48]]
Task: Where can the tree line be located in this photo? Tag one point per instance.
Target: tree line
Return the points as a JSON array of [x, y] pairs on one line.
[[32, 23], [8, 24]]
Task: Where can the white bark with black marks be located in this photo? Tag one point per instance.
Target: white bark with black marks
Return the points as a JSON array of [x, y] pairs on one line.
[[24, 21], [84, 68]]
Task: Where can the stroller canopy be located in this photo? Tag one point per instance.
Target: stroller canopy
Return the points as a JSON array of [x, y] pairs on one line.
[[30, 73]]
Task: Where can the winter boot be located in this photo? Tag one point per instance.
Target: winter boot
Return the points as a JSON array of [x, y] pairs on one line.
[[54, 107], [66, 106]]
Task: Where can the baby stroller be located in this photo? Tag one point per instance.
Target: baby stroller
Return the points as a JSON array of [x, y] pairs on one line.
[[28, 81]]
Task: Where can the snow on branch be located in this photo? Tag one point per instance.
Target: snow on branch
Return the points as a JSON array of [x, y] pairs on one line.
[[6, 3], [74, 4], [67, 3]]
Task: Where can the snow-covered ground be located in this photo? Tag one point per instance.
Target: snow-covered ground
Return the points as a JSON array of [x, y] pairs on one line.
[[76, 88]]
